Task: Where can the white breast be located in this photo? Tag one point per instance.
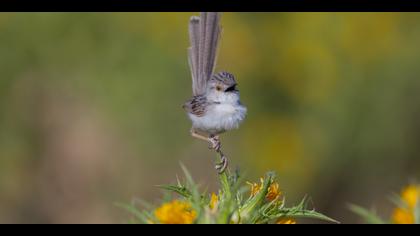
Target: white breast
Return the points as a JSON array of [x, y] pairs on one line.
[[220, 118]]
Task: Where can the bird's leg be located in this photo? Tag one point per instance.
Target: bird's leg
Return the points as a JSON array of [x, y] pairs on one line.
[[197, 135], [216, 145], [214, 140]]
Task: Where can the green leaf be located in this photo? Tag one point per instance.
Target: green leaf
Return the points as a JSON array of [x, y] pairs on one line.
[[398, 201], [225, 185], [188, 176], [276, 210], [140, 216], [181, 190], [227, 202], [142, 203], [195, 198], [417, 212], [369, 216], [299, 211], [312, 215], [252, 205]]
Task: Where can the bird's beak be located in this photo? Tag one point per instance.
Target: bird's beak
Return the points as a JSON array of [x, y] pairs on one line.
[[231, 89]]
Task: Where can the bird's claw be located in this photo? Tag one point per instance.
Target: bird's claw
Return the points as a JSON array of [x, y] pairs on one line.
[[215, 143], [221, 167]]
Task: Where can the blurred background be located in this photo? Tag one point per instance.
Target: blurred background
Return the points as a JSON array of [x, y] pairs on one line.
[[90, 109]]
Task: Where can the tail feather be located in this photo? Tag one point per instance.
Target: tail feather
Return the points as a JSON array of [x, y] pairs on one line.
[[193, 51], [204, 38], [211, 39]]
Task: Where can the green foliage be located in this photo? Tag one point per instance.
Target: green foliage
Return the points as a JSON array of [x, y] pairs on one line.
[[417, 214], [231, 206], [369, 216], [406, 211]]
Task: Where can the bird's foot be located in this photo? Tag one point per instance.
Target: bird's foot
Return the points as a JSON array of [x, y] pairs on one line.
[[221, 167], [215, 143]]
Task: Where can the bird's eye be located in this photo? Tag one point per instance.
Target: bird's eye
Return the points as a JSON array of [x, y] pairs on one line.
[[218, 88]]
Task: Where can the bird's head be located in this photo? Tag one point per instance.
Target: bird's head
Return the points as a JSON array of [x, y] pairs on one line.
[[222, 88]]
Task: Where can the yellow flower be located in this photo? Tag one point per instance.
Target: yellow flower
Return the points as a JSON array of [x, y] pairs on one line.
[[286, 221], [255, 188], [409, 196], [175, 212], [213, 201], [273, 190], [402, 216]]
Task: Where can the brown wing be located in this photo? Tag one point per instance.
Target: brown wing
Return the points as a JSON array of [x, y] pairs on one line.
[[196, 105]]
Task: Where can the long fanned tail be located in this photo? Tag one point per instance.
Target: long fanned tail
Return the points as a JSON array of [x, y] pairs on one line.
[[205, 34], [193, 52]]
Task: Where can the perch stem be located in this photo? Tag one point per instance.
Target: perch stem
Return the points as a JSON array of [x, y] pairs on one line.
[[227, 192]]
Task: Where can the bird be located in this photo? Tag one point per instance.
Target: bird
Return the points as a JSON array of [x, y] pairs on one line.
[[215, 105]]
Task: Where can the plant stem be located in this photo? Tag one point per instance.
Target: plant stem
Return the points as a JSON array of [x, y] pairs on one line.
[[226, 192]]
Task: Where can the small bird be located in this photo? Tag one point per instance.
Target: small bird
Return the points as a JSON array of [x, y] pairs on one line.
[[215, 106]]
